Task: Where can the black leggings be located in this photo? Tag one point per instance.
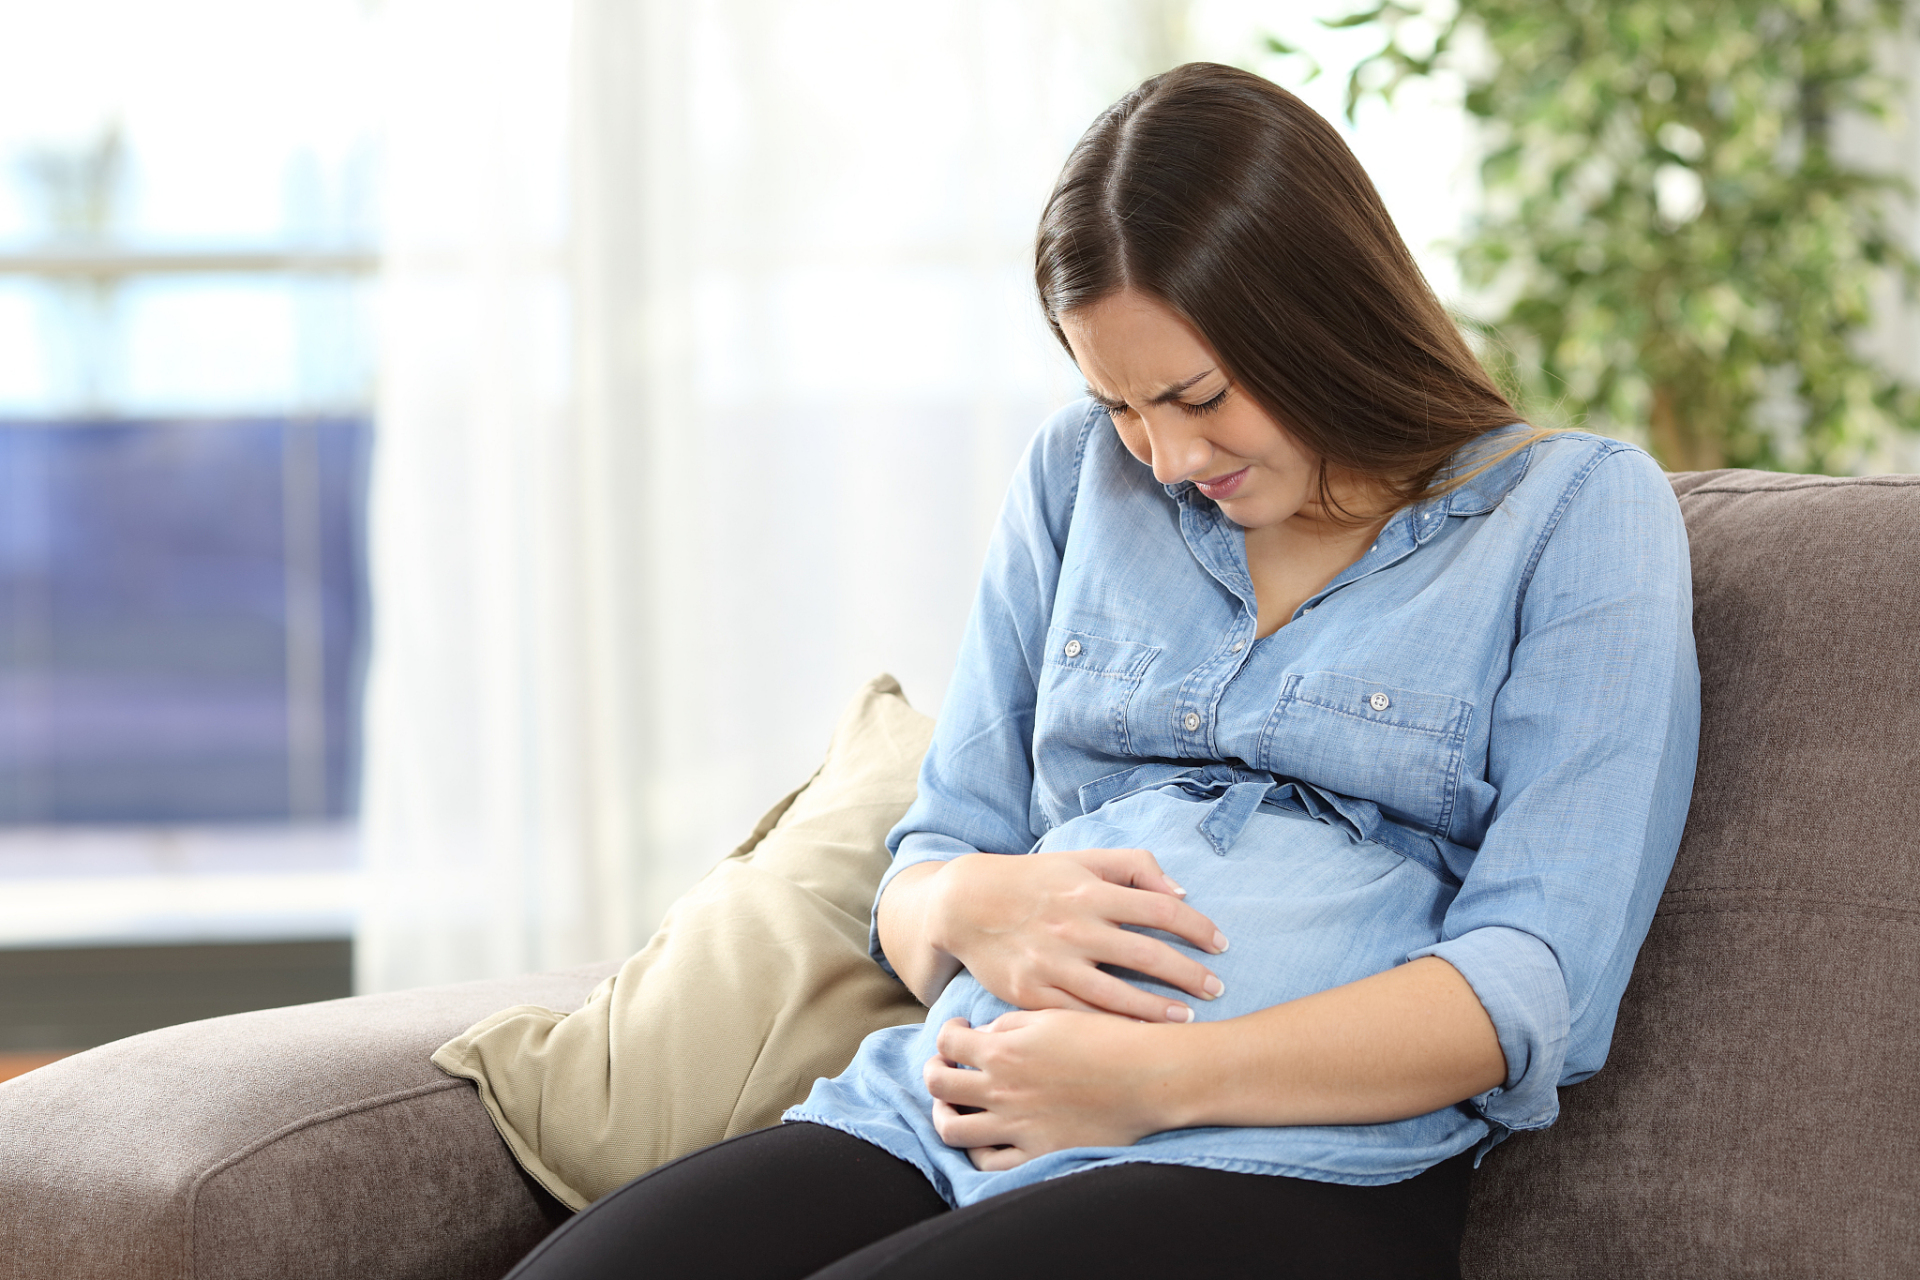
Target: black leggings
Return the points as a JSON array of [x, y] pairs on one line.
[[805, 1200]]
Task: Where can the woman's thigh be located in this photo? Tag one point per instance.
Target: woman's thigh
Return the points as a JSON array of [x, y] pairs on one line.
[[1162, 1220], [780, 1202]]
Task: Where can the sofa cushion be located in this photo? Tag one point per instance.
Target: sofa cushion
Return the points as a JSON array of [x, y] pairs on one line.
[[315, 1142], [757, 982], [1761, 1110]]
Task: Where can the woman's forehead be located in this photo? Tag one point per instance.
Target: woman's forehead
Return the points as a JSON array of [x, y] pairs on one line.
[[1129, 345]]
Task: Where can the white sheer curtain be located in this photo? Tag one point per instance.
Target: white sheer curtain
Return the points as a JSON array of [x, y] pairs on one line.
[[473, 804], [708, 351]]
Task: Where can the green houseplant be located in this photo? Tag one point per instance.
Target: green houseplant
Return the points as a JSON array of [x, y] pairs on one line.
[[1670, 237]]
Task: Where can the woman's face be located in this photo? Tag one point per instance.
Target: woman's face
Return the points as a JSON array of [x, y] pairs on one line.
[[1177, 411]]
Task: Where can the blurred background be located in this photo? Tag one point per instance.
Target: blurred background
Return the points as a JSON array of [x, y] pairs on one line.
[[456, 458]]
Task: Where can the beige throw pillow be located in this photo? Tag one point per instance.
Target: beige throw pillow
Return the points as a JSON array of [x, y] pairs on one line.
[[757, 983]]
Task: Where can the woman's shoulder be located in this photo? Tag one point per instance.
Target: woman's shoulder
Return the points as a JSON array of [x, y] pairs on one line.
[[1568, 503], [1076, 453], [1590, 505], [1057, 453], [1563, 468], [1061, 442], [1570, 449], [1045, 488]]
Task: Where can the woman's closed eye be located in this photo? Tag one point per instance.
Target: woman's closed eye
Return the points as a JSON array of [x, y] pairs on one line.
[[1191, 410], [1206, 407]]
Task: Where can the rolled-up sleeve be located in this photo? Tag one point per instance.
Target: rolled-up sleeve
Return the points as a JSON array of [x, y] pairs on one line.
[[976, 783], [1591, 750]]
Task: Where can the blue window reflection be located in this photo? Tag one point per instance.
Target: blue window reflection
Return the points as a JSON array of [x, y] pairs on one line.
[[182, 615]]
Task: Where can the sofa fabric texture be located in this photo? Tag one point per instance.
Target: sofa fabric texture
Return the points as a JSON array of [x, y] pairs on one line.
[[313, 1142], [1758, 1116], [757, 983], [1760, 1112]]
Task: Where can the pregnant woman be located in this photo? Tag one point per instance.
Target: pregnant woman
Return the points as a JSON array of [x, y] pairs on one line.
[[1343, 728]]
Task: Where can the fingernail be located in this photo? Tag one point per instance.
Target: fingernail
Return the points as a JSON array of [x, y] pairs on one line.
[[1215, 988], [1219, 943], [1175, 885], [1179, 1013]]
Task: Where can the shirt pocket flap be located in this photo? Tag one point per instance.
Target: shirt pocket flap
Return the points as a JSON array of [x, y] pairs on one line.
[[1097, 655], [1375, 703], [1401, 748]]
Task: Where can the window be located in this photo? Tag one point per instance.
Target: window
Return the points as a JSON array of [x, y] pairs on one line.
[[186, 230]]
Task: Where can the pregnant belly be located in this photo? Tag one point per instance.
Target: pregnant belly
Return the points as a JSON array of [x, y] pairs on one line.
[[1305, 907]]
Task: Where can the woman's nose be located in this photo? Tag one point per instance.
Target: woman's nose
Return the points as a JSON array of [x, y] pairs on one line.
[[1178, 454]]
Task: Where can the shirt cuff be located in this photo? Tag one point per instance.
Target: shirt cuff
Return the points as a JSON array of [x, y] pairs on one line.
[[1520, 985], [916, 847]]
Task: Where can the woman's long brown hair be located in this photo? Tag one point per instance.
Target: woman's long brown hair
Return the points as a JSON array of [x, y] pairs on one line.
[[1229, 200]]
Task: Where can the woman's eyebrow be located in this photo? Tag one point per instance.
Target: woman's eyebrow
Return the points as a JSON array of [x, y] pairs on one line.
[[1172, 393]]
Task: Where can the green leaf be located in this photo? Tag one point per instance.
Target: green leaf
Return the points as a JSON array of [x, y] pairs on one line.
[[1364, 18], [1727, 335]]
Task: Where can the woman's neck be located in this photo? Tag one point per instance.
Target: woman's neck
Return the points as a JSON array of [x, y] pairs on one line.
[[1292, 561]]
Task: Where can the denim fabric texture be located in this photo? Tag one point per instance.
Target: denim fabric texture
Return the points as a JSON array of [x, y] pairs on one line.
[[1476, 742]]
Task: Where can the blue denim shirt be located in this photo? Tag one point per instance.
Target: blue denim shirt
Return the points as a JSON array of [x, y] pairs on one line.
[[1476, 742]]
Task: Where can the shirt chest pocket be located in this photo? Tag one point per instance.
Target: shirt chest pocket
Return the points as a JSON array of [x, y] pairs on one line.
[[1087, 684], [1400, 748]]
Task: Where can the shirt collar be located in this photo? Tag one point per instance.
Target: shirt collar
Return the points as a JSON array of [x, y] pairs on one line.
[[1478, 495], [1485, 491]]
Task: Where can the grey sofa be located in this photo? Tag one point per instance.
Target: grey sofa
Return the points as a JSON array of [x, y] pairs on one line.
[[1760, 1115]]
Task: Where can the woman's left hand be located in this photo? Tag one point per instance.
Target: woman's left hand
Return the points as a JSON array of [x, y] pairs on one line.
[[1049, 1079]]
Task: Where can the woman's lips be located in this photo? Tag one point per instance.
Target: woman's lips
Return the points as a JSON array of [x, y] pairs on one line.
[[1222, 487]]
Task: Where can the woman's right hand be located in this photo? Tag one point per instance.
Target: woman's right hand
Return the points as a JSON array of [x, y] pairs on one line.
[[1034, 929]]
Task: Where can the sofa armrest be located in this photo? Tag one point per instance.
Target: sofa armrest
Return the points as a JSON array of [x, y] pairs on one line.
[[307, 1142]]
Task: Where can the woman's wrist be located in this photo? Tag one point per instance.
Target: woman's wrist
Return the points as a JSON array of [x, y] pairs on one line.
[[909, 920], [1202, 1071], [1178, 1072], [939, 893], [936, 921]]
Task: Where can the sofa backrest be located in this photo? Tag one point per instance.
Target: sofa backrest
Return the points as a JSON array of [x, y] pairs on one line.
[[1760, 1111]]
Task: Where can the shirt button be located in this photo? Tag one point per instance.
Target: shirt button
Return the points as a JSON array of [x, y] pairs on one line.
[[1073, 648], [1192, 721], [1379, 702], [1238, 645]]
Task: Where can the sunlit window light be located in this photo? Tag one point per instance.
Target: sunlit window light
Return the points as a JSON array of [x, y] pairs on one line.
[[188, 217]]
